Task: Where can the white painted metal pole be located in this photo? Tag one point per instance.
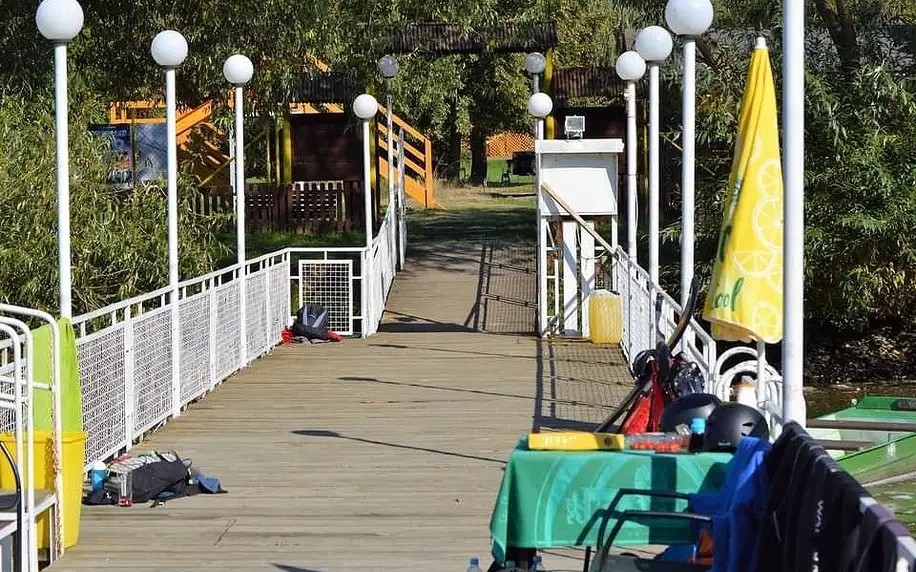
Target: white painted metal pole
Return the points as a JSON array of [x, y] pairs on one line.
[[542, 244], [392, 201], [631, 170], [61, 124], [240, 222], [688, 168], [390, 150], [367, 203], [793, 118], [172, 181], [653, 172]]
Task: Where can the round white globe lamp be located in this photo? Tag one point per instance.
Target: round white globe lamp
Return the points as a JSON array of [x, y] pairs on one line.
[[654, 44], [169, 49], [365, 106], [535, 63], [238, 69], [388, 66], [689, 17], [59, 20], [630, 66], [540, 105]]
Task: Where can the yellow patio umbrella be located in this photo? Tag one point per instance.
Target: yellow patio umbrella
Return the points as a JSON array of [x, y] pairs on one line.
[[745, 296]]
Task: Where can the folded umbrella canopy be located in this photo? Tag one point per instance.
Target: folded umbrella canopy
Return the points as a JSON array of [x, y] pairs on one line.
[[745, 296]]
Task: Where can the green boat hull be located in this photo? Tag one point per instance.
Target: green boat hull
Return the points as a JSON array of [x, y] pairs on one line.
[[894, 452]]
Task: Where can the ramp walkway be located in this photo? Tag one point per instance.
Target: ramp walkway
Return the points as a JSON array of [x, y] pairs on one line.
[[383, 453]]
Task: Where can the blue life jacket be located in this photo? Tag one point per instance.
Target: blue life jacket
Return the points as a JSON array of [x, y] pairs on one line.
[[737, 507]]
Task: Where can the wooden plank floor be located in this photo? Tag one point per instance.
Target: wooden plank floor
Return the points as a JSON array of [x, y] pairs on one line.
[[380, 454]]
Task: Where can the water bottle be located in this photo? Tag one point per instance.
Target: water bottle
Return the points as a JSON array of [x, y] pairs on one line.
[[697, 430], [97, 474], [474, 565], [537, 565]]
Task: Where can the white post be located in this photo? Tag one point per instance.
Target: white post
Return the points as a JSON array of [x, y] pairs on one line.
[[587, 266], [390, 151], [570, 278], [631, 170], [542, 242], [240, 223], [653, 172], [367, 203], [63, 177], [171, 138], [793, 118], [402, 201], [688, 168]]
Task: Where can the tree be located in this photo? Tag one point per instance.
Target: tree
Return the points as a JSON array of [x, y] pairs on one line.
[[118, 238]]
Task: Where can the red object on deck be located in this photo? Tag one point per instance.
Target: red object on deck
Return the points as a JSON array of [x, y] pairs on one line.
[[334, 336], [287, 335]]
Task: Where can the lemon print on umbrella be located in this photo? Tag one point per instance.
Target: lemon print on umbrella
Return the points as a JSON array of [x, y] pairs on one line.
[[769, 178], [767, 219], [755, 263], [767, 321]]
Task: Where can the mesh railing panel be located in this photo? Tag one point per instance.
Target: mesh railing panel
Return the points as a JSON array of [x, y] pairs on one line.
[[195, 346], [103, 381], [256, 317], [152, 369], [329, 284], [227, 328], [626, 293], [126, 368], [279, 302]]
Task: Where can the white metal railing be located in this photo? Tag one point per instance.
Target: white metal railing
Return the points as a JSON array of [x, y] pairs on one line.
[[125, 352], [649, 313], [384, 267], [741, 361], [18, 387]]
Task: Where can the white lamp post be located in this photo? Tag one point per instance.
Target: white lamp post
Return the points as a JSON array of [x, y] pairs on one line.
[[654, 46], [388, 68], [539, 106], [630, 68], [60, 21], [169, 49], [535, 64], [238, 71], [365, 107], [688, 19], [793, 121]]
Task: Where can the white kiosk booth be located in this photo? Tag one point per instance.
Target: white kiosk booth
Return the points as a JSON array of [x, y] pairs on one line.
[[583, 174]]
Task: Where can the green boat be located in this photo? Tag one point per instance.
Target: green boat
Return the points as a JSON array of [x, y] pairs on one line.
[[874, 441]]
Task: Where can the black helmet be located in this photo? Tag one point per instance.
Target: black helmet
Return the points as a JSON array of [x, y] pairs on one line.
[[684, 410], [729, 423]]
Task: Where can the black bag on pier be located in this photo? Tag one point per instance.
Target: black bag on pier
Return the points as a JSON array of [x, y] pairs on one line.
[[312, 322]]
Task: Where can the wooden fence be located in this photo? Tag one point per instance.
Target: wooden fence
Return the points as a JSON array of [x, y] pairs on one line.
[[310, 207]]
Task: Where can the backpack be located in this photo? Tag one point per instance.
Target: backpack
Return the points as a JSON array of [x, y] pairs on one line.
[[152, 479], [312, 322]]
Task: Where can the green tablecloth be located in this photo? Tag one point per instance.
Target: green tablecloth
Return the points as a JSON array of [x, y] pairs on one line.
[[557, 498]]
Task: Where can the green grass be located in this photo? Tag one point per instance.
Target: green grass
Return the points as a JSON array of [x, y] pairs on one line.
[[495, 170], [472, 213], [259, 243]]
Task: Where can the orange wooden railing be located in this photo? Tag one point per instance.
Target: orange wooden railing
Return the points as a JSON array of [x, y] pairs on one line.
[[419, 180]]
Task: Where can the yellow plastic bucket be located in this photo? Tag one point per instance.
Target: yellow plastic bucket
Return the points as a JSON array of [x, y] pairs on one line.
[[605, 317], [73, 444]]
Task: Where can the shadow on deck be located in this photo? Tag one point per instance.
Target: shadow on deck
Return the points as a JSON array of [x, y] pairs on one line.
[[384, 453]]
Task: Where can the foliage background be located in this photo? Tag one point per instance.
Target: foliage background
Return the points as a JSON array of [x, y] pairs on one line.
[[860, 126]]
